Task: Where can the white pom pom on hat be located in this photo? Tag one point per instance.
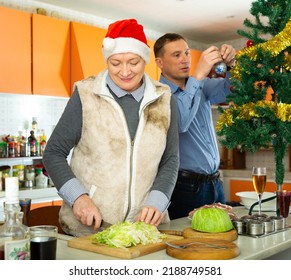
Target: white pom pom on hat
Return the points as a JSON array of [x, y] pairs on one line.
[[126, 36]]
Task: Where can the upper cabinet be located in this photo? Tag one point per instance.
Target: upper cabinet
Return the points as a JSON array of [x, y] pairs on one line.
[[15, 51], [86, 51], [50, 56], [151, 68], [195, 55], [45, 56]]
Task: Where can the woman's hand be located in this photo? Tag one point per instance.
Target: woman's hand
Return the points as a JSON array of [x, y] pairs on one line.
[[86, 212], [150, 215]]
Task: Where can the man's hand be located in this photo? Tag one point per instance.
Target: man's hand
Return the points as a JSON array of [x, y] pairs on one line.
[[208, 58], [228, 54], [150, 215], [86, 212]]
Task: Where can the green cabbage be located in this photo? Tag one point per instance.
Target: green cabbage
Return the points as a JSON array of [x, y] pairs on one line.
[[127, 234], [211, 220]]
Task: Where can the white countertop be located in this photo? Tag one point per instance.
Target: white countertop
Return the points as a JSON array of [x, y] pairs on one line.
[[251, 248]]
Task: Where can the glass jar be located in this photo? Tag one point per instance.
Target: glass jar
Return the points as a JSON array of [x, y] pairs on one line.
[[3, 150], [29, 176], [5, 169], [11, 149], [18, 171]]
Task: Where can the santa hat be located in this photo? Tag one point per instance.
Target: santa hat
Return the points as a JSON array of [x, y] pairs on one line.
[[126, 36]]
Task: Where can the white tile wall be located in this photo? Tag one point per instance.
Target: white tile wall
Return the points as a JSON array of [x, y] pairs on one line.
[[17, 111]]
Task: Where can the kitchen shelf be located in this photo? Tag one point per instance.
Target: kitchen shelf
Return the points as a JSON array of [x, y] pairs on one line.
[[20, 158]]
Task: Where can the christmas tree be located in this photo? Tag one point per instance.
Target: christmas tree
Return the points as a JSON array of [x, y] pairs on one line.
[[260, 114]]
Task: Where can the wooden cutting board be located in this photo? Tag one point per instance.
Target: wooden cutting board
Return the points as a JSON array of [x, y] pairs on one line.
[[202, 251], [191, 233], [84, 243], [230, 235]]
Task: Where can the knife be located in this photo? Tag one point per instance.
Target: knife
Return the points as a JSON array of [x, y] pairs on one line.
[[105, 225]]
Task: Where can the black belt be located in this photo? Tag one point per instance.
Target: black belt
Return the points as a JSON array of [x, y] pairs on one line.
[[198, 177]]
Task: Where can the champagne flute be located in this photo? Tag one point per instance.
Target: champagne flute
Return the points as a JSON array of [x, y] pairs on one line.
[[259, 176]]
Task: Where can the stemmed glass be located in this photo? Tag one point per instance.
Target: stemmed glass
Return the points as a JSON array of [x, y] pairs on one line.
[[259, 175]]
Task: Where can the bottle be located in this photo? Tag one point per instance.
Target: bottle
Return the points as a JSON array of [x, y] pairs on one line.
[[32, 143], [34, 124], [14, 236], [41, 180]]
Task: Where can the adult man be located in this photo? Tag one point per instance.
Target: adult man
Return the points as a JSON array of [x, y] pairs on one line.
[[198, 180]]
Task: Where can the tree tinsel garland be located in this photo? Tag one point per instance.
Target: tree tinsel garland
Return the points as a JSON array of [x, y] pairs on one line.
[[260, 112], [275, 45], [252, 126]]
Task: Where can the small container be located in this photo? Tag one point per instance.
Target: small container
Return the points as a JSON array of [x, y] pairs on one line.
[[255, 228], [279, 223], [5, 169], [3, 150], [269, 226], [42, 147], [18, 171], [29, 176], [33, 151], [240, 226], [259, 217], [41, 181], [11, 149]]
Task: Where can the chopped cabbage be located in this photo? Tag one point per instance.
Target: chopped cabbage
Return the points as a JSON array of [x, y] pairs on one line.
[[127, 234], [211, 220]]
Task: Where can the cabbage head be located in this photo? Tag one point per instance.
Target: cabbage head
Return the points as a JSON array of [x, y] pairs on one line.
[[211, 220]]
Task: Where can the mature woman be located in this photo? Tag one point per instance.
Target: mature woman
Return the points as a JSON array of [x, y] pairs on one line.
[[123, 128]]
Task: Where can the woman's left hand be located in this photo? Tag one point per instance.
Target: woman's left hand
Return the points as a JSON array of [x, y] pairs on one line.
[[150, 215]]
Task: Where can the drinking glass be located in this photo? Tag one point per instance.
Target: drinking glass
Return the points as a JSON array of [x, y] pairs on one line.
[[43, 242], [259, 175], [284, 202]]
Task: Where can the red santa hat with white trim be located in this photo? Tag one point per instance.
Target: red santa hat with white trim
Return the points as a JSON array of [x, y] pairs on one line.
[[126, 36]]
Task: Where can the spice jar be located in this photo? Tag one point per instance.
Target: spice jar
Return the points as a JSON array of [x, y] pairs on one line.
[[29, 172], [18, 171], [5, 169], [3, 150], [11, 149]]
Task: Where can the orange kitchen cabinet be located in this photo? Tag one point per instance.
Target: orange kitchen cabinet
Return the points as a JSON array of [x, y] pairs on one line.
[[244, 186], [41, 204], [195, 55], [151, 68], [51, 56], [15, 51], [57, 202], [86, 51]]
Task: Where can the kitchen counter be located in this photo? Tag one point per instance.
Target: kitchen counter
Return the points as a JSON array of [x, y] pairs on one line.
[[275, 246]]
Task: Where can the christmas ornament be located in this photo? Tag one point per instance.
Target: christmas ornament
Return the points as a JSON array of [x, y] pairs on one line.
[[220, 68], [250, 43]]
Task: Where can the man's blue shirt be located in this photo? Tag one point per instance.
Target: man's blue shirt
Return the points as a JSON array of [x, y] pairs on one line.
[[198, 146]]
